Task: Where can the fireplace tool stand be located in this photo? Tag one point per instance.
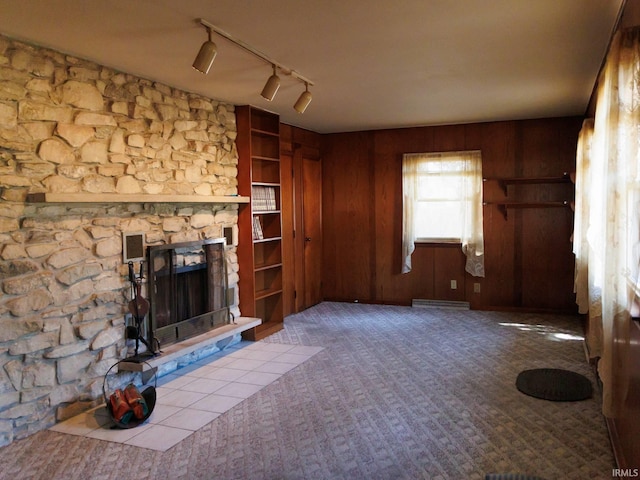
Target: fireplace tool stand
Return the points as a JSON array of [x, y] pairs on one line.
[[139, 307]]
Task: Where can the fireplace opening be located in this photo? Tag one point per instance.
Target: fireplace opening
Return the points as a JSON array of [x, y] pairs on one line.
[[187, 289]]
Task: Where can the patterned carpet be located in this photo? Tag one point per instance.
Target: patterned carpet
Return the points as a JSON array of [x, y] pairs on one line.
[[397, 393]]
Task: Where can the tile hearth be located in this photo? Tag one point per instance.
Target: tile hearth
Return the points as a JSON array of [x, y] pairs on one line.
[[195, 395]]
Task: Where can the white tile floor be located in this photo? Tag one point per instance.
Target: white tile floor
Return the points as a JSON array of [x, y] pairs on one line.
[[194, 396]]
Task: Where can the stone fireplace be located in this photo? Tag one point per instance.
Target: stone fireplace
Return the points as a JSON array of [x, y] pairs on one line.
[[70, 126]]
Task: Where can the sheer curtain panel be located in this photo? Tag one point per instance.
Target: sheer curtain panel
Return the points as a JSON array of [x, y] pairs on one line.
[[607, 248]]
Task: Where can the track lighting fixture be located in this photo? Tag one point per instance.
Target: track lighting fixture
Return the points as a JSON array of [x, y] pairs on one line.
[[303, 100], [206, 55], [271, 87], [208, 52]]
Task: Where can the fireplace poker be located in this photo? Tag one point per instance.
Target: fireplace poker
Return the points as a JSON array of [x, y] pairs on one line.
[[139, 307]]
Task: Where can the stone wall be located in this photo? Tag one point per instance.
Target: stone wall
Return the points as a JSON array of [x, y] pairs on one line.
[[69, 125]]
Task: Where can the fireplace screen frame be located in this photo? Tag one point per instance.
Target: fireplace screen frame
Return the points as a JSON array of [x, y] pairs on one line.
[[172, 320]]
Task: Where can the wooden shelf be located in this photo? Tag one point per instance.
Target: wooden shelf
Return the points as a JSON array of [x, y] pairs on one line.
[[131, 198], [505, 206], [504, 182], [266, 212], [260, 294], [268, 239], [265, 132], [265, 184], [262, 267], [264, 331]]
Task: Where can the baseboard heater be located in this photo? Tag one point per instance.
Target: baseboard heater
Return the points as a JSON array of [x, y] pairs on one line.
[[420, 303]]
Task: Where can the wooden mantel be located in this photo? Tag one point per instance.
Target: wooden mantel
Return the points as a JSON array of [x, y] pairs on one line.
[[131, 198]]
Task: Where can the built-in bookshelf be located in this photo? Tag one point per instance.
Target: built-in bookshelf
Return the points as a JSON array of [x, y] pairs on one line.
[[260, 222]]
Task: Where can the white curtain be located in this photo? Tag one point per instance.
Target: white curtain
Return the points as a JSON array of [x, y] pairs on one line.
[[581, 220], [410, 181], [471, 236], [607, 197], [472, 230], [587, 289]]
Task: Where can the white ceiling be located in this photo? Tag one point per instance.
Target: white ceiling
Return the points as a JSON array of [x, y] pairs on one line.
[[375, 63]]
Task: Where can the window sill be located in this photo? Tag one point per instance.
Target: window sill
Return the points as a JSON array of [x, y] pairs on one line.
[[438, 243]]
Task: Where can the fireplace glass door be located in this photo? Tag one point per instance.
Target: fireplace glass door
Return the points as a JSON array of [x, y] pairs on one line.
[[187, 289]]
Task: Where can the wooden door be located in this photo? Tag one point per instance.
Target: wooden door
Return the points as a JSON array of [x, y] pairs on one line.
[[312, 230]]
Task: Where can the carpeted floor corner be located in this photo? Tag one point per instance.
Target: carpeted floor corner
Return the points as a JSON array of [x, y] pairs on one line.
[[396, 393]]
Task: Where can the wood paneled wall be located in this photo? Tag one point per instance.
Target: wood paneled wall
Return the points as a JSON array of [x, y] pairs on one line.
[[529, 262], [625, 428]]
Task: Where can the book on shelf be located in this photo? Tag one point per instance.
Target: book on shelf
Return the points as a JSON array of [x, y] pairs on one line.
[[257, 229], [271, 198], [263, 198]]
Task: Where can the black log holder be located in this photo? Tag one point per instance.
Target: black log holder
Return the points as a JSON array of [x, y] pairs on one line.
[[139, 308], [148, 392]]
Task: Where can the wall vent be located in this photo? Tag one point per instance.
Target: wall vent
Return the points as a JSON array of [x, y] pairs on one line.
[[420, 303]]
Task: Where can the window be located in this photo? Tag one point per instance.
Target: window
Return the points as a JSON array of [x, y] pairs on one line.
[[443, 203]]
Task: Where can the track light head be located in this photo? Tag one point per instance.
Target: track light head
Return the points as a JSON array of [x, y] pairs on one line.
[[271, 87], [206, 55], [304, 100]]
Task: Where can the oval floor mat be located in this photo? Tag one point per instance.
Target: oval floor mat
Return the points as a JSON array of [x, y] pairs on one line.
[[554, 384]]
